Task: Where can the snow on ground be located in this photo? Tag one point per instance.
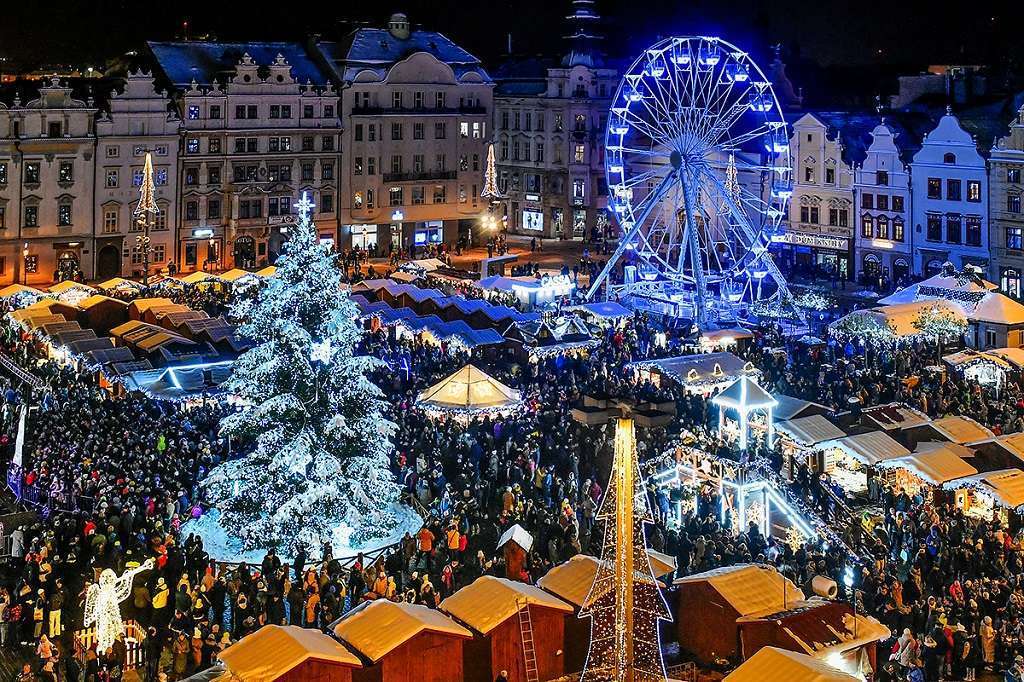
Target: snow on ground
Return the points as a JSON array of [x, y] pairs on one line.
[[223, 547]]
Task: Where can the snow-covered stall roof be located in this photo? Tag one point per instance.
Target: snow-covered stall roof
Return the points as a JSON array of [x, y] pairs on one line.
[[822, 627], [469, 389], [572, 580], [700, 367], [895, 416], [274, 650], [490, 601], [787, 407], [928, 288], [961, 429], [810, 430], [118, 283], [1005, 486], [870, 448], [744, 394], [378, 627], [771, 664], [518, 535], [935, 463], [749, 588], [608, 310], [1015, 356], [16, 289]]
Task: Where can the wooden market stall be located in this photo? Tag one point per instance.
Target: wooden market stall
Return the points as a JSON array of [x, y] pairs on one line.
[[931, 464], [288, 653], [801, 438], [700, 373], [509, 619], [772, 664], [102, 313], [469, 391], [849, 460], [991, 493], [401, 642]]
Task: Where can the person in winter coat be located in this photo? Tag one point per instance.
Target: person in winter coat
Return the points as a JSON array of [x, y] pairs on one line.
[[987, 635]]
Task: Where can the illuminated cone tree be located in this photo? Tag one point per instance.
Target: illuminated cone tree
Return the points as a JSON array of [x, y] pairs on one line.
[[625, 602]]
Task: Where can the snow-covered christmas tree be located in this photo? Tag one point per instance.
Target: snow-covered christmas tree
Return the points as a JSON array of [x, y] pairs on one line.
[[314, 421]]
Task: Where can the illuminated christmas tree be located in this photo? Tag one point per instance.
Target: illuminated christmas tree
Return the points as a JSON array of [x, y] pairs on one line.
[[490, 190], [625, 602]]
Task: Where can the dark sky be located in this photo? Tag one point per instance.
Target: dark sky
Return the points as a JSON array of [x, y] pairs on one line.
[[826, 31]]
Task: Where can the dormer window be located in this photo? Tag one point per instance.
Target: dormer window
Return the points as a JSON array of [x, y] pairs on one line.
[[949, 157], [54, 129]]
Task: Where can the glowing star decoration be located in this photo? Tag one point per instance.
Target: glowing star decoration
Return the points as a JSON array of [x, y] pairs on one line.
[[103, 604], [625, 602], [321, 352], [305, 205]]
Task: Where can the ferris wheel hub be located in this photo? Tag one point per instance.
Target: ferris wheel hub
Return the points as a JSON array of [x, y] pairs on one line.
[[676, 159]]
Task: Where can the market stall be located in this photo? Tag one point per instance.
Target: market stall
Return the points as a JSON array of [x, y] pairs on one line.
[[701, 373], [988, 494], [467, 393], [801, 438], [931, 464], [848, 460]]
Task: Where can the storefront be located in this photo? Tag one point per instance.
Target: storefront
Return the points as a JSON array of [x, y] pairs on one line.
[[202, 250], [825, 254]]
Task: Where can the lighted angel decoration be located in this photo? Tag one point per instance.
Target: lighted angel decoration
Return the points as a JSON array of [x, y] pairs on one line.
[[103, 604]]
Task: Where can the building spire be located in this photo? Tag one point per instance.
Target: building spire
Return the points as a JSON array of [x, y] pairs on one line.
[[583, 35]]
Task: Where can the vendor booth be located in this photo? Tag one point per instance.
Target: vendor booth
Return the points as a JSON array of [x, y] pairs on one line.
[[848, 460], [931, 464], [701, 373], [467, 393], [801, 438], [991, 493]]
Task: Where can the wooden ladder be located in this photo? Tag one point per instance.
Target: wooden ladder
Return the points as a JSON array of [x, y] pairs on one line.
[[526, 632]]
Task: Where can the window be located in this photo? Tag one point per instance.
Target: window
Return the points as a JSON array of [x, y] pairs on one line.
[[159, 253], [809, 214], [327, 143], [396, 100], [32, 216], [250, 111], [934, 233], [279, 144], [463, 129], [307, 172], [160, 176], [417, 99], [953, 229], [250, 208], [32, 173], [113, 152], [3, 223], [974, 191], [396, 163], [395, 196], [538, 153], [418, 164], [1015, 238], [504, 150], [369, 198], [973, 230], [359, 132], [307, 143], [580, 154], [64, 214], [867, 229], [952, 190], [838, 217], [830, 176], [239, 111], [371, 133], [32, 264], [112, 177], [504, 119], [110, 217], [417, 195], [1013, 175], [213, 175], [1013, 203], [54, 129], [440, 194], [529, 121], [949, 157], [559, 122], [357, 166], [326, 171], [307, 111], [897, 230], [192, 176], [934, 188], [193, 112], [808, 174], [441, 162], [279, 206], [357, 200], [215, 111], [883, 227], [867, 200], [214, 145], [463, 162], [213, 208], [440, 130], [1009, 282], [897, 203], [279, 172], [327, 203], [882, 202], [371, 165], [417, 131], [191, 210], [396, 131], [160, 219], [882, 178], [136, 177]]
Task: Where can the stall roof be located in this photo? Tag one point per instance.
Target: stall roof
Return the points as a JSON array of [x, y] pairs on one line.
[[895, 416], [788, 407], [934, 463], [68, 285], [810, 430], [469, 388], [274, 650], [118, 283], [1015, 356], [572, 580], [378, 627], [961, 429], [744, 394], [1005, 486], [235, 274], [404, 277], [822, 627], [518, 535], [98, 299], [15, 289], [197, 277], [749, 588], [609, 310], [699, 367], [772, 664], [869, 448], [490, 601], [268, 271]]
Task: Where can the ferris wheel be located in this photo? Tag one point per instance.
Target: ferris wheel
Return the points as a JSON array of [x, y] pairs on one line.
[[699, 174]]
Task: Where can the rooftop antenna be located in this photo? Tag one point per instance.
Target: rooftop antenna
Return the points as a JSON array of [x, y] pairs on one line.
[[510, 43]]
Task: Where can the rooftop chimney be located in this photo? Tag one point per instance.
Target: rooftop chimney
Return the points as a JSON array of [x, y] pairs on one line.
[[398, 26]]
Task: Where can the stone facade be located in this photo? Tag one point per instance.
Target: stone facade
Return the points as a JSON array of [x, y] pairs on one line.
[[138, 120], [47, 148], [1006, 166]]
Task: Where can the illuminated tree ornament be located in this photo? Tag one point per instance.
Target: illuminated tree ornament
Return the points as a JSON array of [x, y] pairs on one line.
[[490, 190], [103, 604], [625, 602]]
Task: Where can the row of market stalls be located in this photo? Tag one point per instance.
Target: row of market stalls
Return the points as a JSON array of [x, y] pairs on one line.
[[154, 345]]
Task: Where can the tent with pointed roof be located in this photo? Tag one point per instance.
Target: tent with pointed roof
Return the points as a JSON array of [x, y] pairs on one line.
[[116, 283], [469, 390], [274, 651], [745, 396]]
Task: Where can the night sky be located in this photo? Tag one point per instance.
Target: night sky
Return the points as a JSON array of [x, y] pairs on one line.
[[895, 32]]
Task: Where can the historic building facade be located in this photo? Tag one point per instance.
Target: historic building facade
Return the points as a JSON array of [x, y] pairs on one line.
[[819, 230], [949, 182], [549, 138], [260, 125], [137, 121], [1006, 165], [47, 150], [884, 245], [417, 112]]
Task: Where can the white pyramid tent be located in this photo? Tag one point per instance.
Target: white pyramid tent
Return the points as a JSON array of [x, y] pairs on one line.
[[469, 390]]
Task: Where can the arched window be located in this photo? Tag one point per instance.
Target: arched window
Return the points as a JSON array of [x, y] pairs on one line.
[[867, 227], [949, 157], [883, 227]]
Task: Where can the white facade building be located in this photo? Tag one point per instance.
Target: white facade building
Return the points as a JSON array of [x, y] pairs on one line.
[[882, 191], [1006, 165], [949, 200]]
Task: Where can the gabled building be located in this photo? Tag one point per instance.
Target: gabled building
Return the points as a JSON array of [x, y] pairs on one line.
[[1006, 232], [549, 136], [260, 126], [882, 193], [137, 120], [47, 150], [819, 229], [949, 184], [417, 111]]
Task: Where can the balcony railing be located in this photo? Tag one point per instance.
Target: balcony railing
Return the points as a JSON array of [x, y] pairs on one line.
[[416, 111]]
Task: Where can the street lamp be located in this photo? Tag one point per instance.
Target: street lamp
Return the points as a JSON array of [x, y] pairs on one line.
[[24, 263]]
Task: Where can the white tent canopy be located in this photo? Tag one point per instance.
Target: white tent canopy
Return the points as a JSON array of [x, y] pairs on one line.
[[869, 448], [518, 535], [469, 389]]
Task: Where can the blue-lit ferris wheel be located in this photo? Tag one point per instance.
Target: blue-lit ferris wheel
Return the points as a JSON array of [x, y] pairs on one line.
[[699, 174]]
